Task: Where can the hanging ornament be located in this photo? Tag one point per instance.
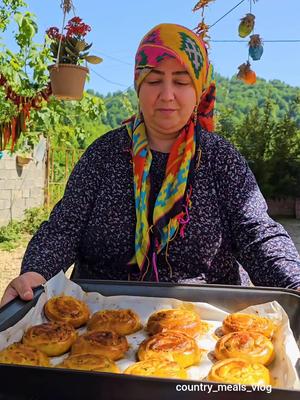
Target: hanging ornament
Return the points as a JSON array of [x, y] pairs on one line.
[[246, 74], [202, 31], [255, 47], [246, 25], [12, 130], [201, 4]]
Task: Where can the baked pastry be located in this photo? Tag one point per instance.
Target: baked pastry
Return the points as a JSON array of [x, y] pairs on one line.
[[53, 338], [171, 345], [237, 370], [89, 362], [123, 322], [248, 322], [177, 319], [105, 343], [21, 354], [67, 309], [157, 367], [250, 346]]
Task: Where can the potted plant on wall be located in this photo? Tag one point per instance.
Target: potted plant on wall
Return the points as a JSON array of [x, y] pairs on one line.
[[23, 153], [70, 50]]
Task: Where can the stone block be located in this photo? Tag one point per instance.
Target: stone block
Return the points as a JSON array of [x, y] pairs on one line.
[[25, 193], [10, 184], [34, 202], [10, 163], [28, 184], [4, 194], [5, 215], [4, 204], [16, 194], [36, 192], [17, 209]]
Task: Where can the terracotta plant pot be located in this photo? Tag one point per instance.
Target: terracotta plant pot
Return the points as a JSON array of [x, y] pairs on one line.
[[67, 81], [21, 161]]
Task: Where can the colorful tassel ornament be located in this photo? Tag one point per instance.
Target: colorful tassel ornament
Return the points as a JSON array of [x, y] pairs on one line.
[[246, 25], [246, 74], [255, 47]]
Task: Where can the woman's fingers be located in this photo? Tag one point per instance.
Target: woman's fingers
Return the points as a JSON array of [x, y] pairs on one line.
[[22, 286]]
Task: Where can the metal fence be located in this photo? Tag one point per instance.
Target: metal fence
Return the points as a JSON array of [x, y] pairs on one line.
[[60, 162]]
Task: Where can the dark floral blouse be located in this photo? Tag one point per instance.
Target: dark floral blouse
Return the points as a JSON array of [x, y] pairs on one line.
[[94, 223]]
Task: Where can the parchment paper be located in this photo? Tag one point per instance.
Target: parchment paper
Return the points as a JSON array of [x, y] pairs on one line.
[[282, 370]]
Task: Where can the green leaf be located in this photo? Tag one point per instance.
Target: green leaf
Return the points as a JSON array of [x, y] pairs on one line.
[[93, 59], [80, 45]]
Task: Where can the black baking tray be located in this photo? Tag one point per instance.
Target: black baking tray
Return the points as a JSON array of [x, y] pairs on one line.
[[35, 383]]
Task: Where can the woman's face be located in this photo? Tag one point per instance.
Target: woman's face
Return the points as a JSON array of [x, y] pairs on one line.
[[167, 98]]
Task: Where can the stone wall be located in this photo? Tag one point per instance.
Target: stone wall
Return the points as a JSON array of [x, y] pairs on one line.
[[284, 207], [20, 188]]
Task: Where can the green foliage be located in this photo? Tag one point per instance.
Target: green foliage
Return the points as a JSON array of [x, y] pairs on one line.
[[7, 9], [270, 144], [11, 235], [119, 107], [69, 123], [26, 69]]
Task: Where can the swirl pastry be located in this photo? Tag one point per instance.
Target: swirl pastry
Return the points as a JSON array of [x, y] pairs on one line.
[[171, 345], [53, 338], [67, 309], [105, 343], [22, 354], [89, 362], [123, 322], [185, 321], [157, 367], [250, 346], [237, 370], [248, 322]]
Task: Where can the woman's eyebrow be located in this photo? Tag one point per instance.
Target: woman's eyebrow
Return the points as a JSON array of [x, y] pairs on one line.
[[159, 72]]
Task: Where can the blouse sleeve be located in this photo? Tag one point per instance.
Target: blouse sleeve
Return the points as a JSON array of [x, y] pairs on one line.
[[263, 246], [54, 246]]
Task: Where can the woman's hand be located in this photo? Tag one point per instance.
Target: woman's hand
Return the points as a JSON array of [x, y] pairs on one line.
[[22, 286]]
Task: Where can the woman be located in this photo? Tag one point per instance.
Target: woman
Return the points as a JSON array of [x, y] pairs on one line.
[[161, 198]]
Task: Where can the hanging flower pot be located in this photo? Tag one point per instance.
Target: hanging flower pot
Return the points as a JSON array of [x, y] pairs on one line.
[[67, 81], [246, 25], [70, 50], [255, 47], [21, 161], [246, 74]]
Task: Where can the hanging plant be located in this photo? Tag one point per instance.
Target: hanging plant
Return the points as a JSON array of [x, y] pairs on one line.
[[70, 49], [202, 4], [246, 74], [255, 47], [246, 25]]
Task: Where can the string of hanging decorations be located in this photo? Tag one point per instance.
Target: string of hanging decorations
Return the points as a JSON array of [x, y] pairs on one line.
[[246, 27], [11, 130]]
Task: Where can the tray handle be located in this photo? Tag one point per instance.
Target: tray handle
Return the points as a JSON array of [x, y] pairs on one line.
[[13, 311]]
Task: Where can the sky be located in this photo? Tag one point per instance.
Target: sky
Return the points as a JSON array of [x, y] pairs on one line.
[[118, 26]]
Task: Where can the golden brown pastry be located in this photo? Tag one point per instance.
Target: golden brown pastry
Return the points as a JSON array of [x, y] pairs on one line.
[[67, 309], [157, 367], [171, 345], [89, 362], [248, 322], [123, 322], [105, 343], [250, 346], [177, 319], [237, 370], [22, 354], [53, 338]]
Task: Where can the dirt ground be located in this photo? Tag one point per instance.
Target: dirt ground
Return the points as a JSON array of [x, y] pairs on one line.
[[10, 261]]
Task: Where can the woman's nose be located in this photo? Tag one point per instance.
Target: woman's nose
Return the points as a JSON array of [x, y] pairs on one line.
[[167, 92]]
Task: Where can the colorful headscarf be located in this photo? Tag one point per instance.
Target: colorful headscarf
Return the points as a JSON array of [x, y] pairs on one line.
[[171, 210]]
